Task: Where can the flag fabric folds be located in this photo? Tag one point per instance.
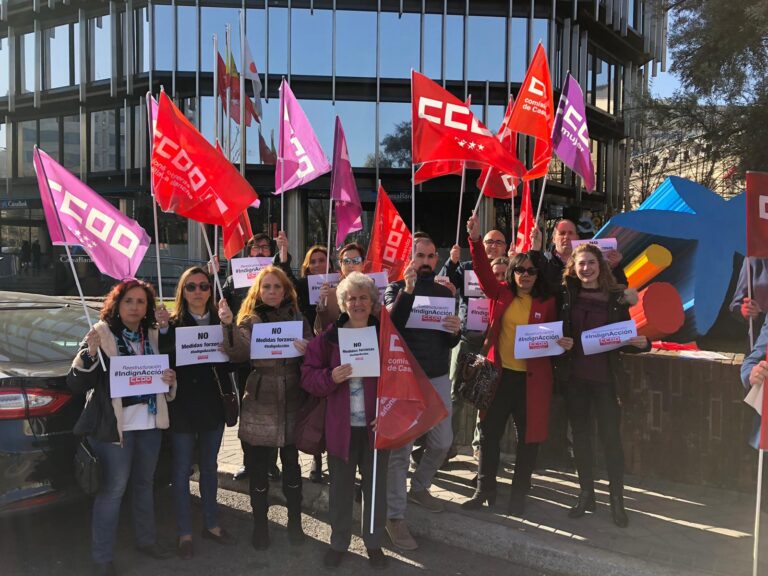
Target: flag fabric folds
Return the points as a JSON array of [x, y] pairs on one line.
[[189, 176], [570, 137], [436, 169], [230, 78], [533, 112], [408, 405], [344, 189], [300, 158], [492, 182], [390, 247], [77, 216], [252, 74], [236, 235], [526, 223], [757, 214], [444, 128]]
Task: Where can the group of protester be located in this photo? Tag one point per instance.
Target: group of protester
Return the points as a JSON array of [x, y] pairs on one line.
[[579, 286]]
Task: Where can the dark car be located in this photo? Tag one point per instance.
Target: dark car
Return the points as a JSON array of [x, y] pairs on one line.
[[39, 336]]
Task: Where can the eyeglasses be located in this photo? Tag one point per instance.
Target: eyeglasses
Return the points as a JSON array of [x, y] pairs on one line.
[[494, 242], [261, 247], [353, 260], [192, 287], [521, 270]]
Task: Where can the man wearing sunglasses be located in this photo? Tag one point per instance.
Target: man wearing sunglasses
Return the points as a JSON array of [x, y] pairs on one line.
[[471, 340]]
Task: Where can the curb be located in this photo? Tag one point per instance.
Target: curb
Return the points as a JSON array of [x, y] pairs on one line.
[[470, 532]]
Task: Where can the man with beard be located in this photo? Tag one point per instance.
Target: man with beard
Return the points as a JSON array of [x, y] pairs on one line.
[[432, 350]]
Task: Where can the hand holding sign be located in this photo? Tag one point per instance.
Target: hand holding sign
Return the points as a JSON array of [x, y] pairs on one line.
[[225, 314], [341, 373], [301, 345], [168, 377]]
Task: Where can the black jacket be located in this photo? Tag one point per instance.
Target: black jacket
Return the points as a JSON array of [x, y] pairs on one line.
[[431, 348], [551, 267], [618, 311]]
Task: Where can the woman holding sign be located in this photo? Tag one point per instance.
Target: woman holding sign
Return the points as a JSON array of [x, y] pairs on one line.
[[350, 259], [197, 414], [525, 387], [272, 393], [591, 298], [349, 417], [124, 432]]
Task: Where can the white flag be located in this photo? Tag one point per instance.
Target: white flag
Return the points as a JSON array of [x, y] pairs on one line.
[[252, 74]]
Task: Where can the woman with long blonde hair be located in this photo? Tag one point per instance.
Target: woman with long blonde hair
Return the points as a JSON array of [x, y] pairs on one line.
[[271, 399]]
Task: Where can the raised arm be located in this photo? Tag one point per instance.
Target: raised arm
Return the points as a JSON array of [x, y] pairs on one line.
[[482, 267]]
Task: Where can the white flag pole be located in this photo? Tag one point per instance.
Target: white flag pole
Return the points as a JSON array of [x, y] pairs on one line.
[[69, 254], [482, 191], [243, 95], [372, 505], [281, 158], [749, 295], [151, 122], [215, 88], [759, 491], [461, 198], [215, 273], [513, 238]]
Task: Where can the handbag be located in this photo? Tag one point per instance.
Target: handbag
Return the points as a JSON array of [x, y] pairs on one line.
[[477, 377], [230, 400], [87, 468], [309, 433]]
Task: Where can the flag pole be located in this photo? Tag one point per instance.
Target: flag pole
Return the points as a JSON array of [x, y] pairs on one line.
[[749, 295], [243, 95], [228, 33], [36, 151], [513, 238], [756, 547], [372, 505], [461, 198], [413, 178], [214, 273], [151, 122], [282, 157], [482, 191], [215, 87]]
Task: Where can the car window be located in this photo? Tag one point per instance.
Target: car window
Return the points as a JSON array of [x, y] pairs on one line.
[[41, 334]]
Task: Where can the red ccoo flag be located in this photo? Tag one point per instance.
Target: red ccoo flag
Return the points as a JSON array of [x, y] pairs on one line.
[[408, 405], [534, 112], [444, 128], [500, 185], [525, 225], [236, 235], [390, 246], [757, 214], [189, 176]]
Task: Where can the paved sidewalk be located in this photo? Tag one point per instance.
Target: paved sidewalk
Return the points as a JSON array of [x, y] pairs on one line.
[[674, 529]]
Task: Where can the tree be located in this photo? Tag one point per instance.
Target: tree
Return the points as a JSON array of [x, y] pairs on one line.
[[395, 150]]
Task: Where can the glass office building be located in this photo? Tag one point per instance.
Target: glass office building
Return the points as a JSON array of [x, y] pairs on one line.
[[73, 75]]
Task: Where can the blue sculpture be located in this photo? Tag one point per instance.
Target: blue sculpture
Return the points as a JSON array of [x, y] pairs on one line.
[[702, 230]]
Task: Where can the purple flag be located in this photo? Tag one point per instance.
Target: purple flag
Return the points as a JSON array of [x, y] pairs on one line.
[[300, 158], [76, 215], [570, 136], [344, 189]]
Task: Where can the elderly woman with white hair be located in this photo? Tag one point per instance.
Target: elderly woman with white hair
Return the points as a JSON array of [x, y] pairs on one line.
[[349, 422]]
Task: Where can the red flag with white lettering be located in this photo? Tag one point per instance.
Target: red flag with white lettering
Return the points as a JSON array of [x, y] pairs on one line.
[[408, 405], [390, 246], [189, 176], [757, 214], [444, 128], [525, 224], [534, 112], [500, 185]]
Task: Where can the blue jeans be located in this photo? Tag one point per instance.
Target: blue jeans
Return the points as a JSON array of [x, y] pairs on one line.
[[135, 459], [183, 449]]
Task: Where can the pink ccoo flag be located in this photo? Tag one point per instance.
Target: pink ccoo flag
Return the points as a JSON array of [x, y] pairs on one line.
[[300, 158], [344, 189], [570, 136], [76, 215]]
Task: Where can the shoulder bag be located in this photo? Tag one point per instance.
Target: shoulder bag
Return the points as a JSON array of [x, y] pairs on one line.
[[230, 399], [87, 468], [477, 376]]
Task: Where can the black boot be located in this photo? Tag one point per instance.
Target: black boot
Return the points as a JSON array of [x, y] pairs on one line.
[[617, 510], [479, 498], [260, 506], [585, 503], [293, 502]]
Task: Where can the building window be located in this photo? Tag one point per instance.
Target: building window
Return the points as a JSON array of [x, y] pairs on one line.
[[356, 43], [278, 40], [4, 69], [399, 44], [163, 37], [359, 121], [213, 21], [71, 153], [311, 42], [454, 52], [518, 63], [3, 151], [433, 33], [186, 41], [49, 136], [103, 142], [27, 63], [56, 57], [100, 48], [485, 42], [141, 40], [26, 138]]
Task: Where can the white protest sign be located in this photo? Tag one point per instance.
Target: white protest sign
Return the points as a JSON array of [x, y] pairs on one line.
[[478, 310], [471, 285], [605, 244], [316, 281], [537, 340], [273, 340], [199, 345], [428, 312], [137, 375], [381, 280], [608, 337], [359, 347], [245, 270]]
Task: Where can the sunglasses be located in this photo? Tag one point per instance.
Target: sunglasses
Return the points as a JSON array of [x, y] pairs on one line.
[[521, 270], [353, 260], [192, 287]]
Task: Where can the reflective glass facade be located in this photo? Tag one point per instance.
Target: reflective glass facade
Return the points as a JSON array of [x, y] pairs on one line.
[[73, 77]]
